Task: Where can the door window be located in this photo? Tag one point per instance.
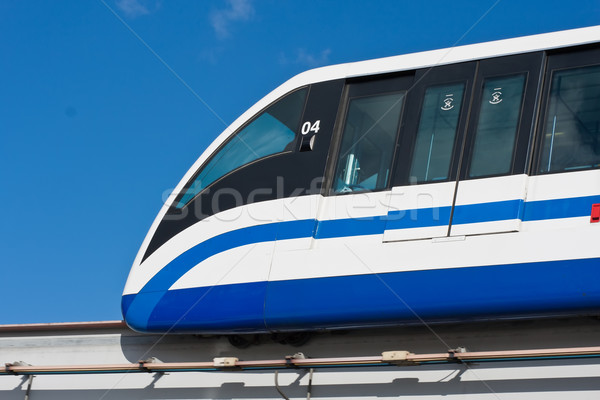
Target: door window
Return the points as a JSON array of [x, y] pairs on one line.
[[436, 134], [499, 116], [368, 143]]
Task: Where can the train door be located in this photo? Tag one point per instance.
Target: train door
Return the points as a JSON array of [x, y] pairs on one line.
[[360, 176], [353, 204], [420, 203], [463, 171], [492, 186]]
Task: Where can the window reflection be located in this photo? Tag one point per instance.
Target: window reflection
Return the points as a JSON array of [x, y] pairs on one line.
[[270, 133], [368, 143], [497, 127], [571, 138], [436, 133]]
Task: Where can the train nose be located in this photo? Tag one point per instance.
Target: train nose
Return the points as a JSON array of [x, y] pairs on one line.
[[222, 308], [137, 309]]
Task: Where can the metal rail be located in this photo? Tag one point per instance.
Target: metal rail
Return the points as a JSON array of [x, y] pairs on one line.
[[63, 326], [388, 358]]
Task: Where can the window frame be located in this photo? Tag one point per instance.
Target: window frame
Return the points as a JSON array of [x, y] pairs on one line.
[[458, 134], [560, 60], [532, 65], [363, 87], [343, 128], [471, 136], [424, 79]]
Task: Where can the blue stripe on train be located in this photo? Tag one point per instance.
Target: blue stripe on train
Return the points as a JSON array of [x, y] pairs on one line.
[[542, 288], [559, 208], [138, 311], [488, 212], [463, 214]]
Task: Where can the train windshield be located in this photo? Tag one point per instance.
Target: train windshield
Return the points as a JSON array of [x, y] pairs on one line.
[[271, 132]]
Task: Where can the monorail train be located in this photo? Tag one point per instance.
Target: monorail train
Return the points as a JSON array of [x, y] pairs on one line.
[[448, 185]]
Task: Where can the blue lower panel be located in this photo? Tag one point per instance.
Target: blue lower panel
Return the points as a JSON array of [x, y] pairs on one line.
[[218, 309], [456, 294], [559, 287]]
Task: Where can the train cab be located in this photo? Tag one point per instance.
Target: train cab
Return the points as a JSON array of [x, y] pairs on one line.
[[450, 185]]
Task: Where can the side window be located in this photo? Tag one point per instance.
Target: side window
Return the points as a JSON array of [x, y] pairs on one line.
[[436, 134], [499, 115], [271, 132], [571, 134], [368, 143]]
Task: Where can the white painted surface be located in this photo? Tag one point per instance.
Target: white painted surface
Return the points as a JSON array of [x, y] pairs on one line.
[[408, 200], [383, 65], [236, 218], [564, 185], [551, 379], [242, 264]]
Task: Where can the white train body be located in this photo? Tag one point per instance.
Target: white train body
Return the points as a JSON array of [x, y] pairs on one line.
[[449, 185]]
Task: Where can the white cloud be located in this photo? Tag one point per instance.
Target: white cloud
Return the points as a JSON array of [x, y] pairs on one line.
[[133, 8], [237, 10], [305, 58]]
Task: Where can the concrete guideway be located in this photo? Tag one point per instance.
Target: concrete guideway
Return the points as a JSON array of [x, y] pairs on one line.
[[547, 359]]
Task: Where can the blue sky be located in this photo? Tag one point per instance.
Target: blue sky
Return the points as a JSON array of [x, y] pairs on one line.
[[103, 108]]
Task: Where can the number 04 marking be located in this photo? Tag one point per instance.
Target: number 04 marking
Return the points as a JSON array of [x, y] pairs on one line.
[[310, 127]]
